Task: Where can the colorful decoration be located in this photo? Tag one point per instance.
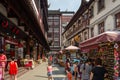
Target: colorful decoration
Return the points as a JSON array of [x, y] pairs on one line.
[[116, 61], [5, 24], [116, 46]]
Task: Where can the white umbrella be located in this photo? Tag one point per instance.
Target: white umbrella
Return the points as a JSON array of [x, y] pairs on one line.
[[71, 47]]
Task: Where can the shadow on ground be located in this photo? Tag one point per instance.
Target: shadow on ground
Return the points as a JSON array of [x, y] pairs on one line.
[[59, 78], [40, 76], [58, 70]]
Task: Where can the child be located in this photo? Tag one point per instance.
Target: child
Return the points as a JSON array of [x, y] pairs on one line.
[[69, 74], [13, 69], [49, 71]]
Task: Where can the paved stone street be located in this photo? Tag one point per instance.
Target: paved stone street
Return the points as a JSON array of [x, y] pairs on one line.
[[40, 73]]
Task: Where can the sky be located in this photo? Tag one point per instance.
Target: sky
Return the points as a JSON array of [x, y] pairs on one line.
[[63, 5]]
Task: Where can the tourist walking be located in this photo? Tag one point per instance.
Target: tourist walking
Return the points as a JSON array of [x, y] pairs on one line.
[[98, 72], [49, 71], [3, 61], [75, 72], [79, 72], [13, 69], [67, 65], [86, 69]]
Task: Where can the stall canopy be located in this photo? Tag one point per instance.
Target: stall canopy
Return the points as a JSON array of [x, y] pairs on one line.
[[108, 36], [71, 47]]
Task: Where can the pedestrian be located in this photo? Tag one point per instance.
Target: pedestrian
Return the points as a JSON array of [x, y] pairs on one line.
[[79, 72], [98, 72], [86, 69], [75, 72], [69, 74], [3, 61], [51, 59], [67, 66], [49, 71], [13, 69]]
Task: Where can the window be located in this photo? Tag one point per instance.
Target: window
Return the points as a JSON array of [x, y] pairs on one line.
[[50, 23], [56, 29], [56, 39], [49, 34], [56, 43], [56, 17], [79, 21], [56, 23], [73, 28], [50, 17], [56, 35], [85, 35], [117, 16], [91, 12], [101, 5], [50, 29], [101, 27], [85, 16], [92, 32]]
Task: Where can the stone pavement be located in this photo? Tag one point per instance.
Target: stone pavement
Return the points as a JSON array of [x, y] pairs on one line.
[[40, 73]]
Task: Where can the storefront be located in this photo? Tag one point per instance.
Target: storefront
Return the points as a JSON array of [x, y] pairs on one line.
[[10, 38], [107, 47]]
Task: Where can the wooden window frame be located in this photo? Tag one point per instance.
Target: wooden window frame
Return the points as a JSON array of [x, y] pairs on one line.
[[117, 20], [101, 5], [101, 27], [92, 32]]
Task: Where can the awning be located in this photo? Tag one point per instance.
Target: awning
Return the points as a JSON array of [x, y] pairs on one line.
[[108, 36]]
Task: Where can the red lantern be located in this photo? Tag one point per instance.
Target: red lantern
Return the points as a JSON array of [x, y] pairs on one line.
[[5, 24]]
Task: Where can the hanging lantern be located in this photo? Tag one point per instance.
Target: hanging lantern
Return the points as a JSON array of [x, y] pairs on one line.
[[5, 24]]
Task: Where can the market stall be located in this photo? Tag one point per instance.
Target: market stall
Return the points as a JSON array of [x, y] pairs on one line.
[[107, 47]]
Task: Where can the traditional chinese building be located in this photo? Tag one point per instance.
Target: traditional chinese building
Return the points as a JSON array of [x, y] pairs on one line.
[[95, 28], [23, 24]]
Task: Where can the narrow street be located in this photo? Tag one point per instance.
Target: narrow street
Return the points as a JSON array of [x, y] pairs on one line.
[[82, 35], [40, 73]]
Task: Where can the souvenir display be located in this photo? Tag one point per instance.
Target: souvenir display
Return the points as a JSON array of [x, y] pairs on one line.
[[109, 54]]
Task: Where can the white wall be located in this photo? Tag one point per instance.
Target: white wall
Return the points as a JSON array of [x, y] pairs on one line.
[[110, 8], [107, 15]]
